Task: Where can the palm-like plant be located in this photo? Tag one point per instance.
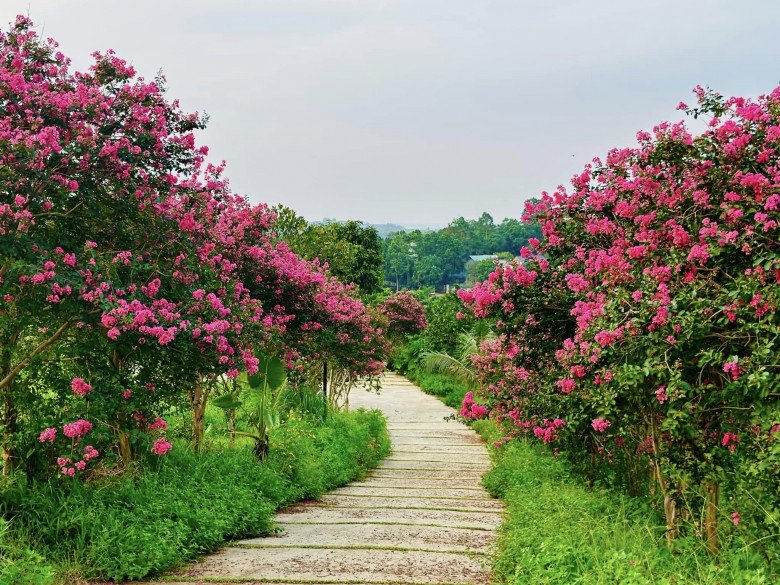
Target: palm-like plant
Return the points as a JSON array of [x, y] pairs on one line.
[[459, 366]]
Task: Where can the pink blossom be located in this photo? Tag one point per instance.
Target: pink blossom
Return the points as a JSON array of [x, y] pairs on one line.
[[600, 424], [77, 428], [732, 367], [161, 446], [48, 435], [158, 425], [80, 387]]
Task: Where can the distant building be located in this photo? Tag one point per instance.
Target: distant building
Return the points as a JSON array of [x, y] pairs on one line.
[[481, 257], [474, 269]]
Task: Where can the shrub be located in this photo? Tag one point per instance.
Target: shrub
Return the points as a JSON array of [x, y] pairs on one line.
[[640, 334]]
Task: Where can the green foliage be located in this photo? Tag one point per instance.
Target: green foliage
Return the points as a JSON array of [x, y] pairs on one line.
[[436, 258], [270, 373], [443, 324], [451, 391], [18, 564], [559, 531], [352, 249], [479, 270], [131, 526]]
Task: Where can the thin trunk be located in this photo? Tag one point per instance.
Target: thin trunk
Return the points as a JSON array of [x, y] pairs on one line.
[[711, 517], [670, 503], [199, 400], [122, 434], [9, 413], [125, 448], [231, 424], [12, 372], [9, 422]]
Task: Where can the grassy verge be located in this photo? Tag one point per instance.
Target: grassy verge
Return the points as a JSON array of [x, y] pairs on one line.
[[135, 525], [449, 391], [558, 531]]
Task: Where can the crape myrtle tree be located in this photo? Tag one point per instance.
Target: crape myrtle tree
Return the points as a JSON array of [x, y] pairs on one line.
[[129, 273], [404, 313], [643, 330]]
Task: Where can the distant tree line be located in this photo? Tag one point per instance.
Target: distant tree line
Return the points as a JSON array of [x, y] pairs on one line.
[[355, 252], [417, 259]]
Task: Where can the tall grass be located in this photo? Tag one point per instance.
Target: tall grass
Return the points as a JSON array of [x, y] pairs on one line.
[[135, 525], [558, 531]]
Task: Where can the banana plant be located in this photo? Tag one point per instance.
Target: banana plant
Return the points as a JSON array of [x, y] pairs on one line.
[[264, 395]]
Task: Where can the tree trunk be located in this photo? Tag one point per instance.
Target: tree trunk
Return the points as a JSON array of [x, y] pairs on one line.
[[125, 448], [9, 423], [670, 502], [711, 516], [199, 400], [231, 425], [9, 414]]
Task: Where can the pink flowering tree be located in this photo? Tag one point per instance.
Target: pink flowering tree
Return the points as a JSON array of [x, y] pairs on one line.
[[405, 314], [665, 258], [100, 180], [130, 275]]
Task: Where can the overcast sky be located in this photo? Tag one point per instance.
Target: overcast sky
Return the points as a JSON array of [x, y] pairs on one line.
[[418, 111]]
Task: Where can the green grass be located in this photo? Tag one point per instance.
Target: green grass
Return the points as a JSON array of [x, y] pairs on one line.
[[136, 525], [449, 391], [559, 531]]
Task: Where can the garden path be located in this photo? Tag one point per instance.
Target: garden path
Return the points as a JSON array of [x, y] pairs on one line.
[[421, 517]]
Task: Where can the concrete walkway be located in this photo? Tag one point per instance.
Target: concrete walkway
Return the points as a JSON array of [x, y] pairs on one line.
[[421, 517]]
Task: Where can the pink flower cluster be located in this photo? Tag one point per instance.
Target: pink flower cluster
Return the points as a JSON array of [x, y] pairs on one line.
[[80, 387], [405, 314], [76, 429], [470, 409], [161, 446]]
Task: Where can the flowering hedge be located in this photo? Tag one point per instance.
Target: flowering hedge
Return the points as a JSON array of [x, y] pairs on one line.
[[404, 313], [129, 272], [642, 331]]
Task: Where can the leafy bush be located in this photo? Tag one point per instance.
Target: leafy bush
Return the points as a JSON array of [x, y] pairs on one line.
[[130, 526]]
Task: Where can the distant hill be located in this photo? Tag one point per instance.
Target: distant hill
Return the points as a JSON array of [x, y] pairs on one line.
[[385, 229]]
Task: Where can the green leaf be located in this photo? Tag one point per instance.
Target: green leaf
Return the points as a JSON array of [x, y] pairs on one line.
[[227, 401], [270, 373]]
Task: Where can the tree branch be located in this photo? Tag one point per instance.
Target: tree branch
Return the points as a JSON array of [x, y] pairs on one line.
[[43, 346]]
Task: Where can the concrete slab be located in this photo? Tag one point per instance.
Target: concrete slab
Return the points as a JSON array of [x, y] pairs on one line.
[[393, 463], [405, 473], [325, 516], [415, 537], [412, 502], [418, 492], [342, 565], [476, 457]]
